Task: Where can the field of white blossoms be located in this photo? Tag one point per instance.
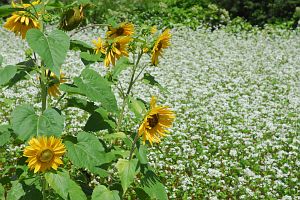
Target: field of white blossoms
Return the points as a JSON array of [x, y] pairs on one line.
[[237, 104]]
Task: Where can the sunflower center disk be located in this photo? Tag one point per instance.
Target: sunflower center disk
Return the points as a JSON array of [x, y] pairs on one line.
[[153, 121], [46, 155], [159, 45], [120, 31]]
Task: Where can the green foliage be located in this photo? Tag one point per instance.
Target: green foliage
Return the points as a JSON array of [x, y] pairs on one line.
[[16, 191], [26, 123], [101, 192], [7, 73], [64, 185], [127, 169], [97, 89], [52, 48], [5, 134], [260, 12], [88, 153]]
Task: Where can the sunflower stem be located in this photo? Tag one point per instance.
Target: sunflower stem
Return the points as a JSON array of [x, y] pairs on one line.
[[125, 97], [133, 145], [43, 89], [44, 187]]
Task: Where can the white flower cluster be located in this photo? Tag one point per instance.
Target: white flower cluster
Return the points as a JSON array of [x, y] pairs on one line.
[[237, 104]]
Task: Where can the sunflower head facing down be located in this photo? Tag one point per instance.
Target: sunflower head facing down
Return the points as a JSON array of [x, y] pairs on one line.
[[116, 50], [124, 29], [156, 122], [99, 47], [54, 82], [20, 22], [44, 153], [162, 42]]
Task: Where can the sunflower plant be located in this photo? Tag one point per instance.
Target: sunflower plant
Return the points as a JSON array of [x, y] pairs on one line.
[[57, 164]]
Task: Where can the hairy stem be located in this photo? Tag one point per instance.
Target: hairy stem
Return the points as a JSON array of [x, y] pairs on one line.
[[133, 145]]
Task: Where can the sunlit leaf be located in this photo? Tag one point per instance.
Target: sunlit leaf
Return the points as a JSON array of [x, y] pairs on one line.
[[88, 153], [7, 73], [64, 185], [16, 191], [7, 10], [26, 123], [153, 187], [137, 107], [52, 48], [101, 192], [80, 45], [122, 64], [4, 134], [97, 88], [126, 171], [88, 58]]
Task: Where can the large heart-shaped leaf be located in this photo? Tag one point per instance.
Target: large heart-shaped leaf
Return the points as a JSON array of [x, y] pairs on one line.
[[97, 88], [153, 187], [52, 48], [7, 73], [88, 152], [101, 192], [64, 185], [26, 123], [127, 171]]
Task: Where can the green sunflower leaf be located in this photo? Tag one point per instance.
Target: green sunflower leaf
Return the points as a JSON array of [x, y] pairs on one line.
[[127, 171], [88, 58], [149, 79], [26, 123], [16, 191], [153, 187], [122, 64], [7, 73], [79, 45], [52, 48], [137, 107], [101, 192], [88, 153], [99, 120], [97, 89], [8, 9], [63, 185], [4, 134]]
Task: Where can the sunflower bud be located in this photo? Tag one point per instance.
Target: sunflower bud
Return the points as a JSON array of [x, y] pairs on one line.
[[71, 18]]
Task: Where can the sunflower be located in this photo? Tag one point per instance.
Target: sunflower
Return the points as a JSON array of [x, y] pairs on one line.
[[20, 22], [161, 43], [99, 46], [44, 153], [124, 29], [153, 30], [54, 83], [25, 5], [156, 122], [116, 49]]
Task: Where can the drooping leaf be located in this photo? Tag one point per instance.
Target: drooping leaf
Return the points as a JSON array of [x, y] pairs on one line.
[[96, 122], [153, 187], [52, 48], [97, 88], [126, 171], [64, 185], [26, 123], [16, 191], [82, 104], [149, 79], [7, 73], [79, 45], [122, 64], [23, 68], [141, 153], [88, 153], [7, 10], [70, 88], [137, 107], [101, 192], [88, 58], [4, 134]]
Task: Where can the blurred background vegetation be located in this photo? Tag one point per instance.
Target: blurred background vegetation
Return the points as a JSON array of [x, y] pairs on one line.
[[242, 14]]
